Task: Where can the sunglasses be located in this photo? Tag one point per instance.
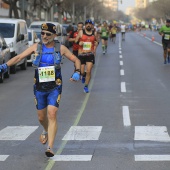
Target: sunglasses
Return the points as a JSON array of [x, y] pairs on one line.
[[88, 23], [46, 33]]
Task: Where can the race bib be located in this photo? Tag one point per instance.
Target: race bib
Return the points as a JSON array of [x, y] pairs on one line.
[[46, 74], [104, 34], [87, 46], [167, 37]]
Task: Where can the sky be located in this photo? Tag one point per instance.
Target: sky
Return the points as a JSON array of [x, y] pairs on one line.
[[125, 4]]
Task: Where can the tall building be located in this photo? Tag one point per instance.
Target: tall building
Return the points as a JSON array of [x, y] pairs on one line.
[[141, 3], [112, 4]]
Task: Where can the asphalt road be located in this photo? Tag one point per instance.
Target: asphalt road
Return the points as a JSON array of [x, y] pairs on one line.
[[122, 124]]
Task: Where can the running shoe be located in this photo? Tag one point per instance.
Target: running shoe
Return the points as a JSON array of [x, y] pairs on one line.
[[168, 59], [83, 80], [165, 62], [103, 52], [49, 152], [86, 90]]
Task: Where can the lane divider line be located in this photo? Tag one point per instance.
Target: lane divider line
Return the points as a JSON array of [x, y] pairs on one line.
[[123, 87], [121, 63], [126, 116], [122, 72]]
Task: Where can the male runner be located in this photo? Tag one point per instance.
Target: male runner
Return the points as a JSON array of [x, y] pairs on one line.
[[48, 80], [165, 33], [73, 37], [123, 31], [87, 40], [104, 36], [113, 32]]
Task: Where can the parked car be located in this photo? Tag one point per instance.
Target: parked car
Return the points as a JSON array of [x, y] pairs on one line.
[[32, 38], [37, 32], [15, 34], [5, 55], [64, 37]]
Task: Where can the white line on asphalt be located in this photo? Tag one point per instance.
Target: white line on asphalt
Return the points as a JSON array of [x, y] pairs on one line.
[[16, 132], [72, 158], [152, 157], [152, 133], [121, 63], [120, 48], [122, 72], [157, 43], [153, 41], [123, 87], [83, 133], [3, 157], [126, 116], [120, 56], [120, 52]]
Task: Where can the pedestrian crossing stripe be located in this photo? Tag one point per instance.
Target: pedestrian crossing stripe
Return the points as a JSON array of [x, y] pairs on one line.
[[16, 132], [152, 133], [72, 158], [152, 157], [83, 133], [3, 157]]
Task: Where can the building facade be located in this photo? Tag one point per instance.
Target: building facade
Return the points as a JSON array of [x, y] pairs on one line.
[[112, 4], [141, 3]]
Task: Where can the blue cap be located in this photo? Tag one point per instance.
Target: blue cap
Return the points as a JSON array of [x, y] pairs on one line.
[[88, 21]]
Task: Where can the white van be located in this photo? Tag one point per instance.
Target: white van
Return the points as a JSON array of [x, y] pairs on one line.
[[37, 25], [15, 34]]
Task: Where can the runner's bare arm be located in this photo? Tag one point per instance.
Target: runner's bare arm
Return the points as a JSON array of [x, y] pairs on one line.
[[66, 52], [79, 35], [23, 55]]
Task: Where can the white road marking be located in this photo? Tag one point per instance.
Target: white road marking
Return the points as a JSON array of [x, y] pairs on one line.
[[3, 157], [72, 158], [120, 52], [120, 48], [153, 41], [120, 56], [123, 87], [121, 63], [152, 157], [83, 133], [152, 133], [126, 116], [16, 132], [157, 43], [122, 72]]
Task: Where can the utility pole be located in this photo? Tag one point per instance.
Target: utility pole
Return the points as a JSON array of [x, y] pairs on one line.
[[73, 12], [23, 9]]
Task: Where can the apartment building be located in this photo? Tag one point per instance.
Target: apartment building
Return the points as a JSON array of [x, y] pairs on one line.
[[141, 3], [112, 4]]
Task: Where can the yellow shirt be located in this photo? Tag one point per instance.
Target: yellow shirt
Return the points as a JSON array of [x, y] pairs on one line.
[[113, 30]]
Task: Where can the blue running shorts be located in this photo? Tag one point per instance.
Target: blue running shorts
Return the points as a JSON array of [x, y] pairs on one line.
[[45, 98]]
